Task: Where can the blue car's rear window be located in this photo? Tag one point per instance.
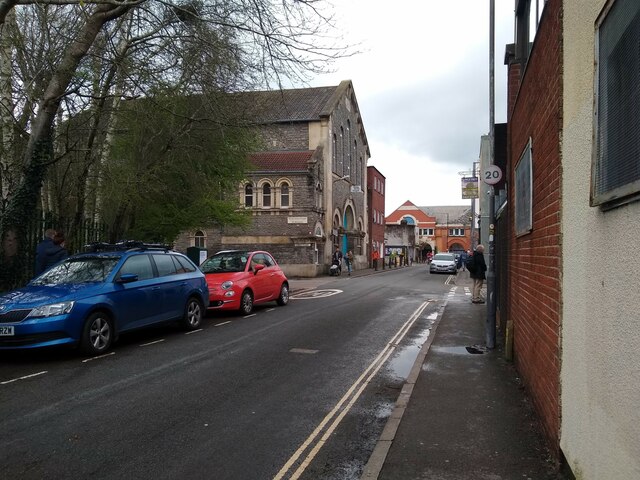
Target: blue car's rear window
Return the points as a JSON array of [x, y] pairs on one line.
[[79, 270]]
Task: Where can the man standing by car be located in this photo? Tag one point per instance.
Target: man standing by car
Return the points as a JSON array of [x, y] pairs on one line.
[[477, 268]]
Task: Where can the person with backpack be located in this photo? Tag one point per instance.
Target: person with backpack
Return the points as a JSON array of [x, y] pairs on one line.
[[477, 268]]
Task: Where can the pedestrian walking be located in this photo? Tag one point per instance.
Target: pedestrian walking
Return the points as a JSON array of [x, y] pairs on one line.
[[464, 256], [477, 268], [349, 261], [336, 259]]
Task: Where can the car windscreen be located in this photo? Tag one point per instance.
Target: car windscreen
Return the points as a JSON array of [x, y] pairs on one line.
[[442, 256], [78, 270], [225, 262]]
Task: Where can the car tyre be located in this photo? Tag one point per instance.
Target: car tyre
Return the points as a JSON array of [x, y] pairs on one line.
[[97, 334], [193, 314], [283, 298], [246, 303]]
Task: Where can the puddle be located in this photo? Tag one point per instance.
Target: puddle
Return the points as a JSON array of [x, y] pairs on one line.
[[475, 350], [402, 362], [384, 410]]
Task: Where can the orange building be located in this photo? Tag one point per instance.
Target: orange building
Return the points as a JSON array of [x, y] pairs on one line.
[[440, 229]]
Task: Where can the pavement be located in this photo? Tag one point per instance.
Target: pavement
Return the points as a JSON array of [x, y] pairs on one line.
[[463, 413]]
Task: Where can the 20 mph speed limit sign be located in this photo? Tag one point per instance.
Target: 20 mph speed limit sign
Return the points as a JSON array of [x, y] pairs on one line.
[[492, 175]]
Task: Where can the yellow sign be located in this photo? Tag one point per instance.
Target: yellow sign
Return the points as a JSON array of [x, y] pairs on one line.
[[469, 187]]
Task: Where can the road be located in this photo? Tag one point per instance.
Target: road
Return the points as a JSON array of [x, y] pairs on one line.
[[301, 391]]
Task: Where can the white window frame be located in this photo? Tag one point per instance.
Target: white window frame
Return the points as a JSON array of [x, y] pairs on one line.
[[605, 163], [523, 192]]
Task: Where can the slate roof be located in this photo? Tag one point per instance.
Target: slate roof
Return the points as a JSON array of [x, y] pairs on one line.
[[282, 161], [457, 214], [277, 106]]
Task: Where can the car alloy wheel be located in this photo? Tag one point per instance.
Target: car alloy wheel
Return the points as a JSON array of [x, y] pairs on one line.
[[97, 334], [246, 302], [283, 299], [192, 314]]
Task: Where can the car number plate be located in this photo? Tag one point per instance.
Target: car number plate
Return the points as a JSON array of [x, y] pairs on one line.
[[6, 331]]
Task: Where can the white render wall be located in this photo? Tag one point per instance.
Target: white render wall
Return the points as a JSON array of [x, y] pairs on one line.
[[600, 375]]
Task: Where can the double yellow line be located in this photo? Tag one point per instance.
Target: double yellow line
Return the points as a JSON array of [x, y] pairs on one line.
[[315, 442]]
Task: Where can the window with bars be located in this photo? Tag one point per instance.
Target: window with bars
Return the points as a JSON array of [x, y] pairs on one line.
[[615, 172]]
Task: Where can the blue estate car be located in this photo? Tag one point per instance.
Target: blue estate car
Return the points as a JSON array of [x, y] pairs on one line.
[[89, 298]]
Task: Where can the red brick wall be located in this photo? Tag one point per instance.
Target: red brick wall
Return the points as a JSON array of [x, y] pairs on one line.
[[534, 259]]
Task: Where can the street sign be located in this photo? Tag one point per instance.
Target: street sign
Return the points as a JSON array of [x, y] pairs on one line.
[[492, 175]]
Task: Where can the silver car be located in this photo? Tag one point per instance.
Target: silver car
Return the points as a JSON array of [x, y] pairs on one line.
[[443, 263]]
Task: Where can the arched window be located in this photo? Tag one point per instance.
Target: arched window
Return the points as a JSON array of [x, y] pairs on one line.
[[199, 240], [355, 173], [248, 195], [341, 158], [284, 196], [266, 195], [334, 154], [349, 159]]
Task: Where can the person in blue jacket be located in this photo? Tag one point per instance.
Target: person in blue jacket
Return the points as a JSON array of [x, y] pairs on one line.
[[50, 250]]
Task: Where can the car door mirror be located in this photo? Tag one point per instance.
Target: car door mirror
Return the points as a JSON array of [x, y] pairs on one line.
[[257, 268], [127, 278]]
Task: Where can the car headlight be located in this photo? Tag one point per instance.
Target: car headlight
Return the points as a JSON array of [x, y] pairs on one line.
[[51, 310], [226, 285]]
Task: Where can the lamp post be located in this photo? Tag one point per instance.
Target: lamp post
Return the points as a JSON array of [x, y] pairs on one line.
[[490, 324]]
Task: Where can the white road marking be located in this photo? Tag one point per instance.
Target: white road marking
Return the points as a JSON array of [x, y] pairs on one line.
[[152, 343], [23, 378], [98, 357], [315, 294], [249, 316], [345, 404], [303, 350], [193, 331], [223, 323]]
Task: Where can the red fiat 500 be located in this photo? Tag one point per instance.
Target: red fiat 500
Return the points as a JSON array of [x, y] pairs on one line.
[[238, 280]]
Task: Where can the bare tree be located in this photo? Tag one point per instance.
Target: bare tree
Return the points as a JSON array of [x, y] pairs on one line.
[[183, 47]]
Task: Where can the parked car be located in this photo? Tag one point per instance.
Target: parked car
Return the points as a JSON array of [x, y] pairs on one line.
[[238, 280], [443, 263], [90, 298]]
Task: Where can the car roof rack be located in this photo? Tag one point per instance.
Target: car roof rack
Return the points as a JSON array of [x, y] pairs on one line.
[[125, 245]]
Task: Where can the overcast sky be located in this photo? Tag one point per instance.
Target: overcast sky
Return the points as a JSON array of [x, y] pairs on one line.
[[422, 85]]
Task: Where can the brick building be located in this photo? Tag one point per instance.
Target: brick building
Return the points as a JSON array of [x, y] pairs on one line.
[[570, 226], [306, 192], [375, 203], [439, 229]]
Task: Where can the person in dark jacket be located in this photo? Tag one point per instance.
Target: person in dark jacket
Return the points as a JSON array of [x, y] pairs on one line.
[[478, 273], [50, 250]]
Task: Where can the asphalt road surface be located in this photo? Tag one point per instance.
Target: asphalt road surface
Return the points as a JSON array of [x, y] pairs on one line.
[[301, 391]]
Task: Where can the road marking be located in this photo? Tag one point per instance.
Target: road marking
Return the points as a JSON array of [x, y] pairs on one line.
[[310, 294], [23, 378], [98, 357], [303, 350], [223, 323], [152, 343], [345, 404], [193, 331], [249, 316]]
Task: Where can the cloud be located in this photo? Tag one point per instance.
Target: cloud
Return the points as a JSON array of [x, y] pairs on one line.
[[422, 84]]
